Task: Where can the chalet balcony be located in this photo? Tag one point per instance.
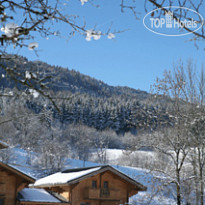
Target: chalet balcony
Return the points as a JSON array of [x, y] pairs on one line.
[[102, 194]]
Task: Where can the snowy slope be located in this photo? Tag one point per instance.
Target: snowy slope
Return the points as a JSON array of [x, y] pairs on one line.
[[122, 157]]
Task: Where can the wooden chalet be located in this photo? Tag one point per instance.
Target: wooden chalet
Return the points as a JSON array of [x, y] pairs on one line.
[[13, 189], [12, 181], [101, 185]]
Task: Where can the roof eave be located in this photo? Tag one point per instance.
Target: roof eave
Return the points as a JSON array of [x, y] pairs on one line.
[[17, 172], [139, 186]]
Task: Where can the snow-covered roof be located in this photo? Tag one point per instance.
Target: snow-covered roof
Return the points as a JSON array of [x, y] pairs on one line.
[[72, 176], [38, 195], [64, 177]]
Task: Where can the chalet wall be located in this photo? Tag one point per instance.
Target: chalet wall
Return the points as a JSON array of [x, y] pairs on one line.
[[7, 188], [83, 192]]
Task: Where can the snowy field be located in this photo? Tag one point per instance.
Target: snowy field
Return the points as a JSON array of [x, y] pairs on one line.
[[123, 157]]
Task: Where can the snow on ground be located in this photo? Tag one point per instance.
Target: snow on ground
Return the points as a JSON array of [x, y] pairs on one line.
[[122, 157], [153, 196], [114, 154]]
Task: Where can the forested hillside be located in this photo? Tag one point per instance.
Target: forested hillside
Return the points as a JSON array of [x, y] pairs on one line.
[[63, 79], [80, 98]]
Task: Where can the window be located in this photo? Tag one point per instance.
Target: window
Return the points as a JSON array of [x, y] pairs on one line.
[[1, 201], [106, 184], [82, 203], [94, 185]]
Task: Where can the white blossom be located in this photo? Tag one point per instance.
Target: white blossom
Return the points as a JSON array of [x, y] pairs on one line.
[[32, 46], [88, 38], [89, 35], [96, 35], [83, 1], [28, 75], [10, 29], [111, 36], [3, 76]]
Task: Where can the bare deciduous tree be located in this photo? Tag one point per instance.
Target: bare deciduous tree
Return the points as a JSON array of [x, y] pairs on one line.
[[175, 139]]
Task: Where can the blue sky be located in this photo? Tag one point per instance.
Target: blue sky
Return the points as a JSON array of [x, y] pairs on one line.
[[134, 58]]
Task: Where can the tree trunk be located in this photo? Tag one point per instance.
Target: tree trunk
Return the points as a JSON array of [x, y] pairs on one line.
[[196, 180], [201, 187], [178, 180], [178, 195], [201, 176]]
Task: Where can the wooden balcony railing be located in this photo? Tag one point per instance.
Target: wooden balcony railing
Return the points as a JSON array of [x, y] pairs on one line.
[[104, 192], [110, 194]]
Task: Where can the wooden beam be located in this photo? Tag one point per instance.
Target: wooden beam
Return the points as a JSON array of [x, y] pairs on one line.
[[100, 180], [127, 195], [21, 186]]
